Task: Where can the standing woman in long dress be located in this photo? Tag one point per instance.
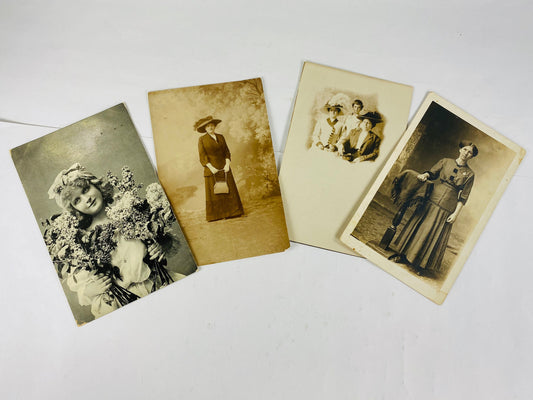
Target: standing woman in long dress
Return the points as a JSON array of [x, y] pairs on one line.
[[423, 241], [216, 159]]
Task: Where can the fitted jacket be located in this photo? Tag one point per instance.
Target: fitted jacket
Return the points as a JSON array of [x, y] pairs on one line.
[[452, 183], [214, 152], [369, 149]]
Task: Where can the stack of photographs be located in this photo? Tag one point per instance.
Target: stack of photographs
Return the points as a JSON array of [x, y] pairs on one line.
[[353, 180]]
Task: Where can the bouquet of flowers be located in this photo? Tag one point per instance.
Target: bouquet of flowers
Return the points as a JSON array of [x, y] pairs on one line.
[[149, 220], [73, 248], [62, 236]]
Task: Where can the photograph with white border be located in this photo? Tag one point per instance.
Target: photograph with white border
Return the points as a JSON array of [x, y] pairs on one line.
[[424, 213]]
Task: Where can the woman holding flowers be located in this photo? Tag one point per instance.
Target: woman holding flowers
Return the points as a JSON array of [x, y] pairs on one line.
[[109, 245]]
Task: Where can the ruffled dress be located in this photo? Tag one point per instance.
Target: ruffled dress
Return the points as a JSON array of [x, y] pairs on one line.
[[128, 256]]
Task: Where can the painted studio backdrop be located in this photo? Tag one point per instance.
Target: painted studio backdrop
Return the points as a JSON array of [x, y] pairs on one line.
[[241, 134], [437, 136]]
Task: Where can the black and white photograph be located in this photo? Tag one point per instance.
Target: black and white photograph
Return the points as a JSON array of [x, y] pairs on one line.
[[434, 196], [343, 127], [105, 219], [216, 162]]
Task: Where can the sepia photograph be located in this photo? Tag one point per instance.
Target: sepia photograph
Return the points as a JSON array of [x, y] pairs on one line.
[[106, 221], [343, 127], [346, 128], [423, 215], [216, 163]]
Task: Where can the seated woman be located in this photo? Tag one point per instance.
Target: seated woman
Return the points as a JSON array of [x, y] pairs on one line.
[[328, 128], [361, 144], [102, 267]]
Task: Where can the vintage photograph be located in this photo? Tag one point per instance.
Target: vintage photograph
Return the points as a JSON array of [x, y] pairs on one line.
[[105, 219], [343, 127], [346, 128], [216, 163], [423, 215]]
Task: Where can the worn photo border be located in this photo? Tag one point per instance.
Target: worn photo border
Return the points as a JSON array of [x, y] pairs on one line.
[[311, 180], [436, 295]]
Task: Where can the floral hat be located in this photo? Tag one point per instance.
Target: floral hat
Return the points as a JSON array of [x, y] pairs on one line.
[[200, 125], [68, 177], [328, 106], [340, 101]]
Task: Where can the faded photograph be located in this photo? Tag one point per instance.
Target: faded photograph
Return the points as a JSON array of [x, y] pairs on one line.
[[216, 163], [435, 194], [222, 198], [345, 127], [108, 227]]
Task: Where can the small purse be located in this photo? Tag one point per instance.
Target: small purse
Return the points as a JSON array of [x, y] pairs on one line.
[[221, 187]]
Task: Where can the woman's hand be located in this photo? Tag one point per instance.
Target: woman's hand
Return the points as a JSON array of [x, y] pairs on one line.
[[99, 285], [451, 219], [226, 167], [423, 177], [356, 160], [155, 251], [212, 169], [320, 145]]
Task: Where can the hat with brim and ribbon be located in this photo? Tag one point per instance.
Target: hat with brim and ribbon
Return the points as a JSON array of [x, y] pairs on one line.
[[372, 116], [200, 125], [328, 106]]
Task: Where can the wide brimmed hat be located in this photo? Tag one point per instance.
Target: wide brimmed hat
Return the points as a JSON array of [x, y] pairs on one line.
[[329, 106], [372, 116], [199, 126]]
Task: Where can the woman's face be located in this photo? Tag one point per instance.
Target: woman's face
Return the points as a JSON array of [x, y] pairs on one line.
[[357, 108], [210, 128], [466, 152], [88, 200], [366, 125], [333, 113]]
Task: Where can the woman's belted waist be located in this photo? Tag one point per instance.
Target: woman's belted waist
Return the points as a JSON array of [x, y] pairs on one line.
[[450, 184]]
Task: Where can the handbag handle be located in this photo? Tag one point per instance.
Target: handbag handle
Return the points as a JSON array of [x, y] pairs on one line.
[[225, 176]]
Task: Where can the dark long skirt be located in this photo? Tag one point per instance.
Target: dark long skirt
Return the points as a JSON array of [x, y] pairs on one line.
[[424, 238], [220, 206]]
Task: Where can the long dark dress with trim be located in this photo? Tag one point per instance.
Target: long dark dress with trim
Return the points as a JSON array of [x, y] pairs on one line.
[[424, 238], [218, 206]]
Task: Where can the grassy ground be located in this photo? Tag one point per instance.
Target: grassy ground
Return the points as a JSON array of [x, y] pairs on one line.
[[262, 230]]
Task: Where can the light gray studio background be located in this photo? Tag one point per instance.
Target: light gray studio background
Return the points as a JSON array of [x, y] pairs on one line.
[[307, 323]]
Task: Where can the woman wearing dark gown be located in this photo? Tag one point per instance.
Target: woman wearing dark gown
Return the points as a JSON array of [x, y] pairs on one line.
[[216, 158], [422, 242]]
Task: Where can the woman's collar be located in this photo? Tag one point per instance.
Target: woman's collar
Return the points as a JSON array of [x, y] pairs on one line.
[[459, 165]]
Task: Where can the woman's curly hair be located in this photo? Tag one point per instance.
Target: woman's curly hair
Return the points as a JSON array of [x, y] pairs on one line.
[[102, 184]]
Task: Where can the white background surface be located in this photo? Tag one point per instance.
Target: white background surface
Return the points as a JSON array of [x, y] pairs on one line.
[[307, 323]]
